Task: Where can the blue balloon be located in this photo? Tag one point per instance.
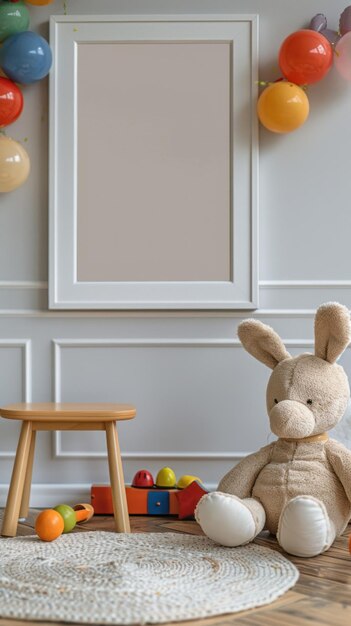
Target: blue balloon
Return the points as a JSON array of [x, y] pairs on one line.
[[25, 57]]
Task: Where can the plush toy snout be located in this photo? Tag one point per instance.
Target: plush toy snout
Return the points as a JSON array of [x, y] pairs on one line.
[[291, 419]]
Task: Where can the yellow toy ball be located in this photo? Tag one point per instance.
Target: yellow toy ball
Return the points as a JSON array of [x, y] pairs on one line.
[[282, 107], [186, 480], [166, 478]]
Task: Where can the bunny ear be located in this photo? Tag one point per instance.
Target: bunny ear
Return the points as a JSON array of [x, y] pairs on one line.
[[332, 331], [262, 342]]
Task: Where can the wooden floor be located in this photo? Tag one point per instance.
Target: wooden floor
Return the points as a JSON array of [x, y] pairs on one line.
[[322, 596]]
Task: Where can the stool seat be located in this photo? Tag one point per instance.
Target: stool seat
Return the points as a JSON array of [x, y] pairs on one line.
[[77, 411], [63, 416]]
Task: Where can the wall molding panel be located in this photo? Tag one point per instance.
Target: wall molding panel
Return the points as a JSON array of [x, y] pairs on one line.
[[26, 375], [21, 295], [258, 313], [61, 344], [278, 298], [284, 295]]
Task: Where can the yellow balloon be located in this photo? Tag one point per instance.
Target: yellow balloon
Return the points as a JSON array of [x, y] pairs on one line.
[[283, 107], [14, 164], [39, 3]]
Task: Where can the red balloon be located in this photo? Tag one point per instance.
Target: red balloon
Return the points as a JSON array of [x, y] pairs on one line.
[[11, 102], [305, 57]]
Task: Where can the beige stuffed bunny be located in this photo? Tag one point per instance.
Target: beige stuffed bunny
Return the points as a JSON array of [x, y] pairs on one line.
[[299, 486]]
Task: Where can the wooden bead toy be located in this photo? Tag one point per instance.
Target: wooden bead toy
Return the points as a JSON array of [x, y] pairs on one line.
[[84, 512], [49, 525], [68, 515]]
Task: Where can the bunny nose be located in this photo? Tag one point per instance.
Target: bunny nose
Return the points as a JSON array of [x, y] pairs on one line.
[[291, 419]]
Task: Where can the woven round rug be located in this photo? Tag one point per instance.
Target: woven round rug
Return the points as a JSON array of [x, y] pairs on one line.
[[109, 578]]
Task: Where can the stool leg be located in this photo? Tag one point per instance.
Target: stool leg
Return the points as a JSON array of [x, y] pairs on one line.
[[9, 525], [119, 498], [28, 480]]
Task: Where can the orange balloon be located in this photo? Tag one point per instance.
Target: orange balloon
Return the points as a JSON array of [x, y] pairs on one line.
[[305, 57], [282, 107], [49, 525], [39, 3]]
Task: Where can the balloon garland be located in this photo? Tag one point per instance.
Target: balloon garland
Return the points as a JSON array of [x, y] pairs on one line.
[[25, 58], [305, 57]]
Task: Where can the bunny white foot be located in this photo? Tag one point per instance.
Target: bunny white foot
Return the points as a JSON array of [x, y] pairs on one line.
[[228, 520], [305, 528]]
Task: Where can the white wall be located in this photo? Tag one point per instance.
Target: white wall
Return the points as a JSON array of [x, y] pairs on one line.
[[200, 398]]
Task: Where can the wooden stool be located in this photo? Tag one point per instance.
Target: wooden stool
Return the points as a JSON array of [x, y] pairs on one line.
[[57, 416]]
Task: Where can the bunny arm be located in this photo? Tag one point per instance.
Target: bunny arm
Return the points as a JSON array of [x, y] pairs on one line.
[[339, 458], [240, 480]]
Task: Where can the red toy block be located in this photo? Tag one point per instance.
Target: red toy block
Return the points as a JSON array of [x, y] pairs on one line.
[[188, 499]]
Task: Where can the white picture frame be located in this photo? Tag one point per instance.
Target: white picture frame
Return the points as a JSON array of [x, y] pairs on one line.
[[77, 283]]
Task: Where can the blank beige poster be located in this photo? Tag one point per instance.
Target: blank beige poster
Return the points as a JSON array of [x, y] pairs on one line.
[[153, 159]]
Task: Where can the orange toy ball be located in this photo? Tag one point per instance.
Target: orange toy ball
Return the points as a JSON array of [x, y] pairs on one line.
[[282, 107], [49, 525]]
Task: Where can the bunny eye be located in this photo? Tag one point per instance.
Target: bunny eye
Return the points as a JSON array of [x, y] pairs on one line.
[[276, 401], [309, 401]]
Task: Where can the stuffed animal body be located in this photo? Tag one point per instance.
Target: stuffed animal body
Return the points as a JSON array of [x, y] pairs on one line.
[[299, 486]]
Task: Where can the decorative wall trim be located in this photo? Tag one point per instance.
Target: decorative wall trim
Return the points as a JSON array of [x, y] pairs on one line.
[[198, 456], [304, 284], [26, 347], [60, 344], [23, 284], [44, 495], [284, 294], [263, 284], [23, 295], [20, 298], [258, 313]]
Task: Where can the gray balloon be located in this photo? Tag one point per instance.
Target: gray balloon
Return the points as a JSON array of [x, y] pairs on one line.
[[318, 22], [332, 36], [345, 21]]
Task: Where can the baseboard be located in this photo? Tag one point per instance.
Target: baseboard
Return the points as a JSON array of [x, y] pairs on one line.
[[47, 495]]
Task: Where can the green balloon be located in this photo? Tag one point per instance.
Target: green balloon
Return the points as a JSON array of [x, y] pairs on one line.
[[14, 18]]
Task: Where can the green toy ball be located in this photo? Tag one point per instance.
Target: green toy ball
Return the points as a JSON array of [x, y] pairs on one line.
[[68, 515]]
